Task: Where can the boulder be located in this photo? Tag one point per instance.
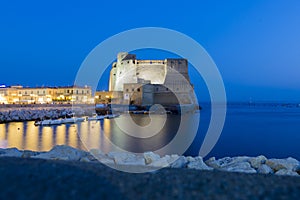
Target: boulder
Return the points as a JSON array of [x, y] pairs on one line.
[[190, 159], [106, 161], [123, 158], [85, 159], [286, 172], [10, 152], [162, 162], [264, 169], [224, 162], [181, 162], [256, 162], [97, 153], [62, 152], [243, 167], [150, 157], [198, 164], [297, 169], [171, 158], [29, 154], [278, 164]]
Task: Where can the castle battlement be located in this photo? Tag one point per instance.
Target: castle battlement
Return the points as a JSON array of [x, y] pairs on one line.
[[156, 81]]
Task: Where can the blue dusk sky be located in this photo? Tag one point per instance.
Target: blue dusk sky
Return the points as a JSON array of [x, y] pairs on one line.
[[254, 43]]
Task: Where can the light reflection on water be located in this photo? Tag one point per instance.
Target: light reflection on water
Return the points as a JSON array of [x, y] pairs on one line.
[[249, 130], [26, 136], [85, 135]]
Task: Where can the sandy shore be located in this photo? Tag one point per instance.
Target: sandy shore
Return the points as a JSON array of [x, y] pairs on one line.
[[48, 179]]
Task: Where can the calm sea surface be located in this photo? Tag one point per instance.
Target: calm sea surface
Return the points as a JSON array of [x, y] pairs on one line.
[[269, 129]]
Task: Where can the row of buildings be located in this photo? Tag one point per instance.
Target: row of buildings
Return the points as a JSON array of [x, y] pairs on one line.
[[135, 82], [43, 95]]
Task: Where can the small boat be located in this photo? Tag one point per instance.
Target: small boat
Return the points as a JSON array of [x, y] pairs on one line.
[[72, 120], [50, 122], [111, 116], [96, 117], [47, 122]]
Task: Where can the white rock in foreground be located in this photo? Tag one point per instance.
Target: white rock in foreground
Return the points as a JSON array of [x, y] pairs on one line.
[[162, 162], [62, 152], [243, 167], [278, 164], [198, 164], [150, 157], [286, 172], [122, 158], [256, 162], [181, 162], [244, 164], [265, 169], [11, 152]]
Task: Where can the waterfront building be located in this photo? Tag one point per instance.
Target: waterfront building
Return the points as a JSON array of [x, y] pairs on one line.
[[148, 82], [42, 95], [76, 94]]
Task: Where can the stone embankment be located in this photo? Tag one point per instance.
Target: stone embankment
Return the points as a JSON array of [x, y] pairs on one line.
[[243, 164], [30, 113]]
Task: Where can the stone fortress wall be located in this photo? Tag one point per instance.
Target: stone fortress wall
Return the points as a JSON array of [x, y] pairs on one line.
[[151, 81]]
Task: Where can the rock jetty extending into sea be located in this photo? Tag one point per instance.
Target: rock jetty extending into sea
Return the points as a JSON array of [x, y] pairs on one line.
[[19, 113], [243, 164]]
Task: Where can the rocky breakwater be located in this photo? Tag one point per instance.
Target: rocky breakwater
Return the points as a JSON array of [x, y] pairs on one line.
[[242, 164], [30, 114]]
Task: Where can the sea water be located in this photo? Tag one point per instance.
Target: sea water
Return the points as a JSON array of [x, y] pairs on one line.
[[266, 129]]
